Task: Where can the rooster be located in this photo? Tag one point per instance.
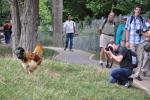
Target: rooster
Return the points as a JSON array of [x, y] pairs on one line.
[[30, 60]]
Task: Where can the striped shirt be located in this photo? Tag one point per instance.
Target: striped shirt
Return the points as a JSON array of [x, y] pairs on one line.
[[133, 26]]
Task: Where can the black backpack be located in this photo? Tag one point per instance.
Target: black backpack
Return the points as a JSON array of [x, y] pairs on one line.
[[133, 58]]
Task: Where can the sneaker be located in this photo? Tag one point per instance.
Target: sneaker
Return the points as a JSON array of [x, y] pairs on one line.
[[138, 78], [129, 83], [101, 63]]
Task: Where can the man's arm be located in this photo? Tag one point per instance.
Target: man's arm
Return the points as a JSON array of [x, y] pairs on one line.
[[127, 28], [117, 58]]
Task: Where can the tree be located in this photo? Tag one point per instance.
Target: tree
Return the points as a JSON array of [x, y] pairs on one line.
[[57, 8], [16, 29], [25, 21], [76, 8]]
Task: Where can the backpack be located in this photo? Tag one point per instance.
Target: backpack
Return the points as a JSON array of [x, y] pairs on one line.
[[132, 17], [133, 58]]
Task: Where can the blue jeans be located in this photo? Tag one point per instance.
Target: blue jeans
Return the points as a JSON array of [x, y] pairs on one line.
[[120, 75], [7, 36], [69, 38]]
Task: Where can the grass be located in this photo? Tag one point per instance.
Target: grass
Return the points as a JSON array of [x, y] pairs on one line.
[[6, 51], [60, 81]]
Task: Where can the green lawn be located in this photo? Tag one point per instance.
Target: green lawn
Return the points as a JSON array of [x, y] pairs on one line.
[[60, 81], [6, 51]]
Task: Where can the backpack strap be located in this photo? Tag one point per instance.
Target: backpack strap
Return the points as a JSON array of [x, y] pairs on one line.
[[104, 24], [132, 17]]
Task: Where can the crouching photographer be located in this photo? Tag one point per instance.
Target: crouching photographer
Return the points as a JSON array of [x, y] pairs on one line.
[[127, 61]]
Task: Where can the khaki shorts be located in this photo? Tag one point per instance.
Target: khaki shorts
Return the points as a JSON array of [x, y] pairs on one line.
[[105, 39]]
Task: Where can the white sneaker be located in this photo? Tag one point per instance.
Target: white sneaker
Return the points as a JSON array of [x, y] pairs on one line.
[[101, 63]]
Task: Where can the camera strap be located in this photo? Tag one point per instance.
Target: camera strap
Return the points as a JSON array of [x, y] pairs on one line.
[[141, 21]]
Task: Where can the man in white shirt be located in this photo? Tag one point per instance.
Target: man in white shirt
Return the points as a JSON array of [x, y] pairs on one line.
[[69, 29]]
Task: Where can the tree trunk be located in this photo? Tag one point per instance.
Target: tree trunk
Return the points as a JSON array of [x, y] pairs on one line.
[[29, 23], [16, 29], [57, 7]]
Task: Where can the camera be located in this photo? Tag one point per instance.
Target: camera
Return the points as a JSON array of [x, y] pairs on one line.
[[109, 48], [139, 31]]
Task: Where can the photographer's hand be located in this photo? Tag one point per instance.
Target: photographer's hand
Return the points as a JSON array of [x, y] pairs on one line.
[[109, 54]]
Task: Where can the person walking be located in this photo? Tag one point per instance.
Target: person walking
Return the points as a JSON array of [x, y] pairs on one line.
[[107, 33], [69, 29], [135, 26]]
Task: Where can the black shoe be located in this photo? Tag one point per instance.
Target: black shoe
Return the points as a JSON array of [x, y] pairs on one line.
[[138, 78], [129, 83], [65, 49], [144, 74]]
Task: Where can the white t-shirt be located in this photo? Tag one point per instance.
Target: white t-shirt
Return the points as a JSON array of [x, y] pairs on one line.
[[147, 24], [69, 26]]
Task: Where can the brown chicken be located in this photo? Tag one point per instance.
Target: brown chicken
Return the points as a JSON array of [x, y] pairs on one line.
[[30, 60]]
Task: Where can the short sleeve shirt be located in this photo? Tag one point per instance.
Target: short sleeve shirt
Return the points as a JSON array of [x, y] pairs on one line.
[[69, 26], [125, 63], [109, 28], [133, 26]]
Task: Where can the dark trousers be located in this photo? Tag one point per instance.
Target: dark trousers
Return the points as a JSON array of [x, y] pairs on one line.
[[69, 38], [120, 75], [7, 36]]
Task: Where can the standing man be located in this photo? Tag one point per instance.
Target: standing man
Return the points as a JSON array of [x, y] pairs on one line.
[[69, 29], [134, 39], [107, 33]]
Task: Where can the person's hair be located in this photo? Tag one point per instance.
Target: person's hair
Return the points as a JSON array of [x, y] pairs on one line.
[[138, 6], [111, 42], [112, 12]]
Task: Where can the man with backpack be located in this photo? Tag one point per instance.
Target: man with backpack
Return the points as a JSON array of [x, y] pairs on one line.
[[135, 26], [127, 60], [107, 33]]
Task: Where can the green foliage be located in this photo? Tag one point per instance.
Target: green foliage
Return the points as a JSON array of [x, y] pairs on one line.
[[6, 51], [76, 8], [48, 53], [60, 81], [4, 10], [103, 7], [45, 12]]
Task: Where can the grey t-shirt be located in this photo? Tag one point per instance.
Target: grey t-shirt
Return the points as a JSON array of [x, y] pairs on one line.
[[109, 28]]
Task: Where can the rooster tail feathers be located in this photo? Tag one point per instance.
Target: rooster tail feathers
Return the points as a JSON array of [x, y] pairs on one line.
[[38, 49]]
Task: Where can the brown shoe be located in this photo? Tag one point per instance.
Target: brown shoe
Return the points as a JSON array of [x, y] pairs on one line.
[[138, 78]]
